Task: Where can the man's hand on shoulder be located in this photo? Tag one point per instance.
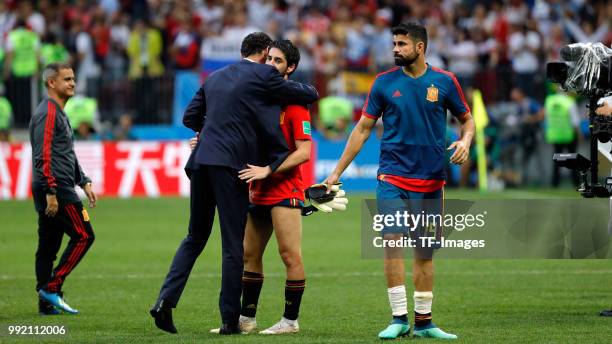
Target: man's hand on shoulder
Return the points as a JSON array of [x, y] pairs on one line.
[[289, 90]]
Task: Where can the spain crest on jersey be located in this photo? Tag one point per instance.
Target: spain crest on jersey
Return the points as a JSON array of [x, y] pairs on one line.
[[432, 93]]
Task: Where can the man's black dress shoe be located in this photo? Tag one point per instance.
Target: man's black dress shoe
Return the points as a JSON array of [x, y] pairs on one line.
[[163, 317], [229, 329]]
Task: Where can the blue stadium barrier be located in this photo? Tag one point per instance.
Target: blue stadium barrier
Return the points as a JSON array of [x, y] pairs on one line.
[[186, 84], [161, 132], [360, 175]]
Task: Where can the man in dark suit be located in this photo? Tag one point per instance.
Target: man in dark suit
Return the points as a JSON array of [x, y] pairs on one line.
[[236, 112]]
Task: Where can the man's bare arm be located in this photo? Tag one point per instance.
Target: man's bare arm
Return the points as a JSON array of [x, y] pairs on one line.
[[299, 156]]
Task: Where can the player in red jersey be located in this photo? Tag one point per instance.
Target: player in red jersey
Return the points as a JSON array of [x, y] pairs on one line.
[[276, 203]]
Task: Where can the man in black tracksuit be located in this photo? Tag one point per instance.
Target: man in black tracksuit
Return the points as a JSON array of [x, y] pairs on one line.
[[55, 172]]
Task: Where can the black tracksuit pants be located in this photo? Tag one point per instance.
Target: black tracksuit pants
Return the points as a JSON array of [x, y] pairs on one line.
[[72, 220]]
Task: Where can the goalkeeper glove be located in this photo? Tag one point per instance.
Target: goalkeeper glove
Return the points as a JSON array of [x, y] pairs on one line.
[[326, 202]]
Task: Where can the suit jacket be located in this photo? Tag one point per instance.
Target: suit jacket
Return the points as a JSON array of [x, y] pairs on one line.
[[237, 112]]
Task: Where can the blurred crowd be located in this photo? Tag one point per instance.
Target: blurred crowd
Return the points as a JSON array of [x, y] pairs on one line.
[[126, 52]]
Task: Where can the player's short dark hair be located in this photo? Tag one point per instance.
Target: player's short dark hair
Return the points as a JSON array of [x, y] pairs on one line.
[[417, 32], [52, 70], [291, 52], [254, 43]]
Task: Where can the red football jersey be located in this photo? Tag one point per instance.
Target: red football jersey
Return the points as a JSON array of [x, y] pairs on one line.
[[295, 123]]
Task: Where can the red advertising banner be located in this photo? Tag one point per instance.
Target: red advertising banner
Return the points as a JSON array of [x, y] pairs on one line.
[[121, 169], [15, 170]]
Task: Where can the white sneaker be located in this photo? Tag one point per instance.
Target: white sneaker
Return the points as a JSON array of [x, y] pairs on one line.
[[283, 326], [247, 325]]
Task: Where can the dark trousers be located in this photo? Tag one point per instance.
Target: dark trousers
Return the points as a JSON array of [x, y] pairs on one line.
[[70, 220], [213, 187], [561, 148]]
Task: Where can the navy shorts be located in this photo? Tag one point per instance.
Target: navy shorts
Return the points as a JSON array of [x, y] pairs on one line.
[[391, 199], [264, 212]]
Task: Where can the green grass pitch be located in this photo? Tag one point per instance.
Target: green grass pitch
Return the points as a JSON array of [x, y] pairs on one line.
[[482, 301]]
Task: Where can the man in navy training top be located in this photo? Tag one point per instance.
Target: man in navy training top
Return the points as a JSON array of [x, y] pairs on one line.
[[412, 100]]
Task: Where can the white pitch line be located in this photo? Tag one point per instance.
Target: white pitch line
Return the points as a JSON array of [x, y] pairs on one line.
[[332, 275]]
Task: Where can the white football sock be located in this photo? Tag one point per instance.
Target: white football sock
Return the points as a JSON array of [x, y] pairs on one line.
[[397, 300], [423, 301]]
